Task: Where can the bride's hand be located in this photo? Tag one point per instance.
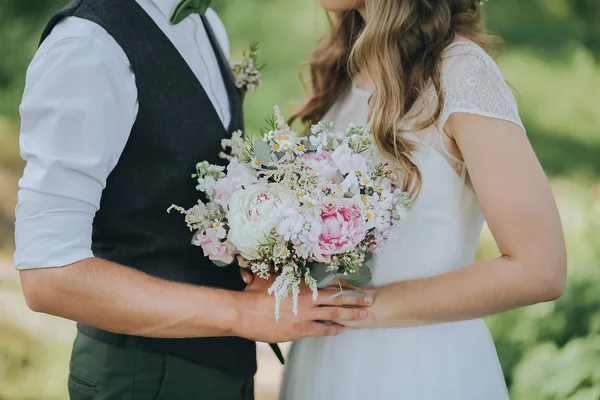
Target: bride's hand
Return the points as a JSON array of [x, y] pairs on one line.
[[327, 292], [334, 287], [370, 322]]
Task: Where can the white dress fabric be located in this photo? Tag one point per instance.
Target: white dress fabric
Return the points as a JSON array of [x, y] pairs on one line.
[[448, 361]]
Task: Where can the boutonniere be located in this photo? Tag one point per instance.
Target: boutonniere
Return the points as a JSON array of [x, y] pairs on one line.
[[247, 70]]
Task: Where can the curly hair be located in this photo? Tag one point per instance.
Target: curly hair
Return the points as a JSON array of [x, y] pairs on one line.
[[399, 47]]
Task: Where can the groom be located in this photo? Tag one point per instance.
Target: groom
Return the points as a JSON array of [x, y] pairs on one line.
[[122, 99]]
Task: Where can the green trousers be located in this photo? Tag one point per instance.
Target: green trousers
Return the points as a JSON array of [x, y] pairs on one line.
[[100, 371]]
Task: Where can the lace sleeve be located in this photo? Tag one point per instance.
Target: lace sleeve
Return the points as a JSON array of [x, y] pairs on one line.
[[474, 84]]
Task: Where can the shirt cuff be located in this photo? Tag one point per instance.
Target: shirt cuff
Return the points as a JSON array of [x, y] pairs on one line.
[[52, 238]]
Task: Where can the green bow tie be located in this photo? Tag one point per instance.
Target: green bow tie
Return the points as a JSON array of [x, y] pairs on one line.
[[187, 7]]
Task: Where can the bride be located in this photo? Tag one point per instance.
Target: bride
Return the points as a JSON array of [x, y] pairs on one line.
[[438, 106]]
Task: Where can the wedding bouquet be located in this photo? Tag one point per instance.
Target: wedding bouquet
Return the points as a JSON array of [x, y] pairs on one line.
[[310, 208]]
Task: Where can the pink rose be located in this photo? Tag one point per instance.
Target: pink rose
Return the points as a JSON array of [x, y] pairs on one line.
[[322, 162], [343, 228], [213, 248]]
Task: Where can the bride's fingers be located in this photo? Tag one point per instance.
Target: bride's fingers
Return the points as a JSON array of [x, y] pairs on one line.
[[336, 314], [326, 298]]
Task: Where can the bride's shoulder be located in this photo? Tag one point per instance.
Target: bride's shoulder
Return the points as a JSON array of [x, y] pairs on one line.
[[472, 82], [465, 55], [465, 62]]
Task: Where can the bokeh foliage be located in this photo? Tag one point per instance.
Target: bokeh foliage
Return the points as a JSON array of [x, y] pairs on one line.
[[549, 351]]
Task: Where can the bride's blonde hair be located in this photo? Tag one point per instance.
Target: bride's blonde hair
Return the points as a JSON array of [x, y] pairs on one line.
[[400, 49]]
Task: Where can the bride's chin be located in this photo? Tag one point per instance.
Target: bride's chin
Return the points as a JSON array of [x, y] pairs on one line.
[[341, 5]]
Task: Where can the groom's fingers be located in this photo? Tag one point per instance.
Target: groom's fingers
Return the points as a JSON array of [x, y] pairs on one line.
[[247, 276]]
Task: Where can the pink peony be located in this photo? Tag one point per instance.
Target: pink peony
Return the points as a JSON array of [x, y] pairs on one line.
[[213, 248], [343, 228], [322, 162]]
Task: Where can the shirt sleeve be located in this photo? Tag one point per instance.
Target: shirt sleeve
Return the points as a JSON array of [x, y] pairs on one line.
[[78, 108], [219, 29], [474, 84]]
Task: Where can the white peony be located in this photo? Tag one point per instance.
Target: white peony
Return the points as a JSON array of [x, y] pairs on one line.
[[347, 161], [252, 215]]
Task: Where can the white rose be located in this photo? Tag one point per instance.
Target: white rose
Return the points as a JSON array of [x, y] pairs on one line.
[[252, 215]]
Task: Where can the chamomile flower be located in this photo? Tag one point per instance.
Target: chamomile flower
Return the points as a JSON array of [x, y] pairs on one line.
[[255, 163], [286, 145], [281, 251], [365, 180]]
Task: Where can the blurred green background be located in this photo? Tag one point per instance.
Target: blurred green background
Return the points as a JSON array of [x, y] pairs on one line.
[[549, 351]]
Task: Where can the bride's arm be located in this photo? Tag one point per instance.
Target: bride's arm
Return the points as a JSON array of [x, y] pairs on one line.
[[520, 210]]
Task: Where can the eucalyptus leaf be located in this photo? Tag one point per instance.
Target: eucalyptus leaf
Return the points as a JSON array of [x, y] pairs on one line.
[[262, 151], [318, 270], [320, 273], [368, 257], [327, 280], [360, 279]]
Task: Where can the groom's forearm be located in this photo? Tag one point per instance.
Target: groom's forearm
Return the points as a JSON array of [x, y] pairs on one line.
[[123, 300]]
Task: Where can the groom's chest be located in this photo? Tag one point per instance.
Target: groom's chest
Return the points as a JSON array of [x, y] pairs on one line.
[[191, 41]]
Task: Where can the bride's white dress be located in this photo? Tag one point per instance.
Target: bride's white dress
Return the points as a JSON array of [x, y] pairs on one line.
[[448, 361]]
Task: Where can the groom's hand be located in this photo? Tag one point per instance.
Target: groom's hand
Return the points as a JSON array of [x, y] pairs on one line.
[[257, 320]]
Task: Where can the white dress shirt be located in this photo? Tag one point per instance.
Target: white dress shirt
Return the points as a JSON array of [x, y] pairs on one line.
[[78, 108]]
